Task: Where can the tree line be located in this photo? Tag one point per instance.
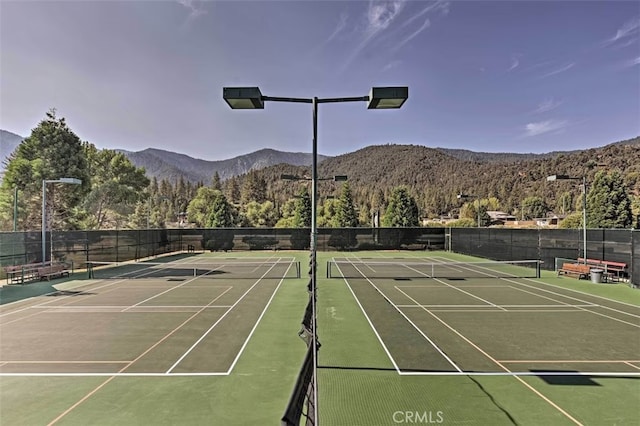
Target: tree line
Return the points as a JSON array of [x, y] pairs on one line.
[[116, 194]]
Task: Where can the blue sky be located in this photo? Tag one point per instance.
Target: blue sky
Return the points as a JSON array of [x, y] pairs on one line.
[[503, 76]]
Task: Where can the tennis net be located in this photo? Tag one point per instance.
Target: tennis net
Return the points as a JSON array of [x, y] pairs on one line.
[[447, 270], [223, 269]]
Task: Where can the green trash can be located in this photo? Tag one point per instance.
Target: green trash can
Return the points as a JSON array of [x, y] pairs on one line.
[[596, 276]]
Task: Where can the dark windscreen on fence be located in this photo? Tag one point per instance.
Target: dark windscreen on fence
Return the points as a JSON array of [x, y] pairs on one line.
[[79, 247]]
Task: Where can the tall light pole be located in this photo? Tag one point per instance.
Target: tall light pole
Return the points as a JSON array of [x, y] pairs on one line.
[[554, 178], [252, 98], [72, 181], [467, 196]]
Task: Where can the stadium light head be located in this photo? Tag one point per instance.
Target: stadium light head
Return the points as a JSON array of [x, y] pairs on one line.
[[72, 181], [387, 97], [560, 177], [340, 178], [243, 97], [290, 177], [464, 196]]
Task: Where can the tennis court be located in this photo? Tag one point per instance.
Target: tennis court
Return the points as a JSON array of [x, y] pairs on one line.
[[180, 318], [431, 334]]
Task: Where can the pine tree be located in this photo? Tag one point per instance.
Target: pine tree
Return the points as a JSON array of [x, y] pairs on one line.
[[221, 215], [215, 182], [402, 210], [302, 215], [51, 152], [254, 188], [346, 216]]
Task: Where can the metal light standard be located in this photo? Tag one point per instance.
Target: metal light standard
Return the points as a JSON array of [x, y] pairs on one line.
[[72, 181], [252, 98], [467, 196], [554, 178]]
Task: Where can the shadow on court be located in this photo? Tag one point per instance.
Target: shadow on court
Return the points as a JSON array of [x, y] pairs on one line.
[[14, 293]]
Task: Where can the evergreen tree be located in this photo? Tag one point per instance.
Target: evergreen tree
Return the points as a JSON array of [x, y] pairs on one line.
[[402, 210], [254, 188], [221, 215], [51, 152], [346, 213], [608, 204], [302, 215], [232, 190], [215, 182]]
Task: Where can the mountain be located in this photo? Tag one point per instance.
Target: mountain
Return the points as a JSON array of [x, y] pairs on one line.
[[8, 143], [170, 165], [434, 177]]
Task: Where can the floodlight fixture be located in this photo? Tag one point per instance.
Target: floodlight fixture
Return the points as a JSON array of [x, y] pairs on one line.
[[387, 97], [243, 97]]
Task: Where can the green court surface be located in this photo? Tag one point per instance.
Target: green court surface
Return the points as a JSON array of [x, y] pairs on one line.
[[212, 339], [157, 348], [401, 347]]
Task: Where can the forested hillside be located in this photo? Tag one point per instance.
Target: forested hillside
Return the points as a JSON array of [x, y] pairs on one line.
[[435, 178]]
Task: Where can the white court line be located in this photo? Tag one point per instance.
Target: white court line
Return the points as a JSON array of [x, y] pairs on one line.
[[493, 310], [110, 377], [170, 289], [455, 288], [491, 307], [233, 364], [218, 321], [534, 390], [440, 351], [514, 374], [565, 361], [393, 361], [569, 297], [632, 365], [65, 362], [444, 260]]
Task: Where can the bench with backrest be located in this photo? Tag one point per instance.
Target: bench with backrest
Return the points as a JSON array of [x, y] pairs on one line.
[[22, 273], [52, 271], [612, 268], [579, 270]]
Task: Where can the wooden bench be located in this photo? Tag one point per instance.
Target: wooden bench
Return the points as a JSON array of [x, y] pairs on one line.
[[579, 270], [52, 271], [611, 268], [19, 274]]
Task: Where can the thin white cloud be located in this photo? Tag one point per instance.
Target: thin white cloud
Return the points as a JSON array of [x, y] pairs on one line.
[[194, 9], [633, 62], [384, 25], [515, 62], [442, 6], [547, 105], [424, 26], [559, 70], [378, 17], [392, 64], [342, 24], [629, 28], [627, 35], [541, 127], [381, 14]]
